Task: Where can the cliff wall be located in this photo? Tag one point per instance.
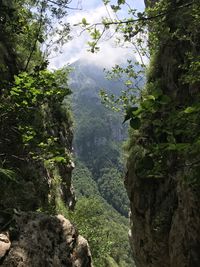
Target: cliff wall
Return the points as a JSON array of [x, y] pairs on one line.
[[163, 167]]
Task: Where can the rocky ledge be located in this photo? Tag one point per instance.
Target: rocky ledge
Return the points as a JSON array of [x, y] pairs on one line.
[[37, 239]]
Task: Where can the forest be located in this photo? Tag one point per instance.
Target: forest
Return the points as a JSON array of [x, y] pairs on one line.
[[99, 133]]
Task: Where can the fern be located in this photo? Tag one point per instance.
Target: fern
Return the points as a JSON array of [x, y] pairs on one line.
[[8, 174]]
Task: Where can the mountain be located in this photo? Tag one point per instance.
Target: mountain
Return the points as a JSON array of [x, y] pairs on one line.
[[93, 78], [102, 203], [99, 131]]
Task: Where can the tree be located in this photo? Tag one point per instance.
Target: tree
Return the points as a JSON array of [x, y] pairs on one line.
[[104, 231], [32, 147]]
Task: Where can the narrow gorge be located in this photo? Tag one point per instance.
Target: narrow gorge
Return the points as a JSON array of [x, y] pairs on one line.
[[100, 168]]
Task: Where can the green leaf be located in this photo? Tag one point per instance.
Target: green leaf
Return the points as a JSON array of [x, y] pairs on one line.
[[147, 104], [128, 83], [157, 92], [59, 159], [147, 163], [135, 123], [189, 110], [172, 147], [8, 174], [164, 99], [129, 113], [137, 112], [140, 15], [106, 2], [178, 146], [84, 21], [150, 97], [121, 2]]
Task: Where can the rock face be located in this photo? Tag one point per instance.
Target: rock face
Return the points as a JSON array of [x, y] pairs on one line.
[[165, 211], [37, 180], [165, 226], [42, 240], [4, 244]]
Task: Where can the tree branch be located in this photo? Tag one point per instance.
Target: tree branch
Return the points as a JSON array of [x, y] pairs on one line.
[[64, 5], [142, 18]]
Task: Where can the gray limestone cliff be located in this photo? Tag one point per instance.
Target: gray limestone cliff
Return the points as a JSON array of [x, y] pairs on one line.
[[165, 209]]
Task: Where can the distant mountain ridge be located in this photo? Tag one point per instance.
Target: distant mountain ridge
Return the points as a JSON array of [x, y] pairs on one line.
[[91, 77], [97, 178], [99, 131], [97, 127]]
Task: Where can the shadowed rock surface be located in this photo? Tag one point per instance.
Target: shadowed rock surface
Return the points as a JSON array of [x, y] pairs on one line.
[[41, 240]]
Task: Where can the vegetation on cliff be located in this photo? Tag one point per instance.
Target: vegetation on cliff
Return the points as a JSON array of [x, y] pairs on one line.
[[163, 163], [35, 126]]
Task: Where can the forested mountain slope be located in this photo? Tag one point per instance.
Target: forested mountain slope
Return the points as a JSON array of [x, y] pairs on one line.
[[97, 177], [99, 132]]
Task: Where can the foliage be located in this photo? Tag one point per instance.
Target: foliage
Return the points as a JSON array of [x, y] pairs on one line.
[[35, 133], [131, 31], [103, 229], [112, 189], [32, 122], [30, 98], [30, 32], [83, 182], [133, 78], [90, 220], [92, 214], [165, 123], [8, 174]]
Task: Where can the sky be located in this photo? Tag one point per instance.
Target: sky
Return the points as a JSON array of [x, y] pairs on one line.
[[77, 48]]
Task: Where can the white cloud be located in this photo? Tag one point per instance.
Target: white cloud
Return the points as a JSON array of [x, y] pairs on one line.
[[75, 49]]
